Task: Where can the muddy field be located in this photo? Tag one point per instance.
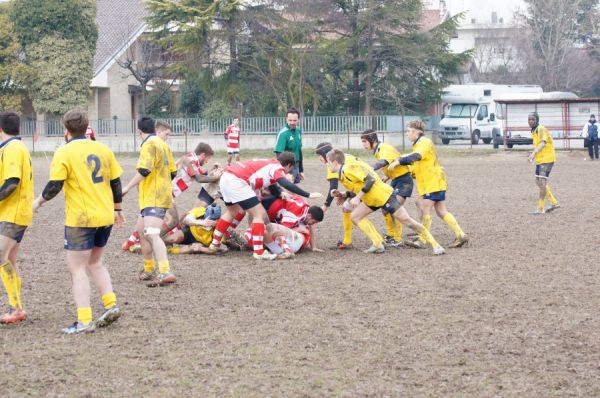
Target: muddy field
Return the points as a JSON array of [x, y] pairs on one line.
[[514, 314]]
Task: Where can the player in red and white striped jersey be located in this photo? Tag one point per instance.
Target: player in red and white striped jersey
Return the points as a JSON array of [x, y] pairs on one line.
[[232, 135], [238, 186]]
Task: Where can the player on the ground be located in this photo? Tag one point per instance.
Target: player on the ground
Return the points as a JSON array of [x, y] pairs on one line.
[[155, 170], [399, 178], [239, 184], [544, 156], [16, 199], [90, 175], [368, 194], [232, 136], [431, 181], [282, 241], [333, 178]]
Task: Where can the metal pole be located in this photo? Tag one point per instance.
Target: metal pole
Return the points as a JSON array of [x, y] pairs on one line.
[[348, 125]]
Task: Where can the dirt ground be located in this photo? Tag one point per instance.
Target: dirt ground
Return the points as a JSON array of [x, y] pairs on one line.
[[513, 315]]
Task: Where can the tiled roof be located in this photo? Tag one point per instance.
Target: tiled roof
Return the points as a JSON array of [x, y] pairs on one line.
[[430, 19], [118, 21]]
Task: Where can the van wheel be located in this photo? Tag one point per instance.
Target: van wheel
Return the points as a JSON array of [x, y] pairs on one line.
[[486, 140], [445, 141], [475, 138], [509, 146]]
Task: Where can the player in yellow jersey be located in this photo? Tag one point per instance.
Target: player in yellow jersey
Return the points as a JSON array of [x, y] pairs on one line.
[[16, 199], [399, 178], [333, 178], [368, 194], [544, 156], [196, 232], [431, 181], [90, 175], [155, 170]]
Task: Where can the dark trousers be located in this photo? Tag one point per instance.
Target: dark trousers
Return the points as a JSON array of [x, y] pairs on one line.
[[593, 149], [296, 172]]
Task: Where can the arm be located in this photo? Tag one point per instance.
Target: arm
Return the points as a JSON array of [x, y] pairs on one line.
[[380, 163], [9, 187], [536, 150], [189, 219], [333, 184], [50, 191], [297, 190], [405, 160], [369, 181], [117, 191], [137, 178]]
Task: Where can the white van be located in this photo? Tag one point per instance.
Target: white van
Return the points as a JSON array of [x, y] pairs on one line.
[[470, 110]]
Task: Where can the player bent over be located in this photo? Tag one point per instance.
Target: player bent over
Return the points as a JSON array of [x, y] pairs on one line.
[[155, 170], [239, 184], [90, 175], [431, 182], [196, 231], [333, 178], [16, 199], [399, 178], [368, 194], [544, 156]]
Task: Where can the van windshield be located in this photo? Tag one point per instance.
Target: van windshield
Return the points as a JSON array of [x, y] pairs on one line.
[[462, 110]]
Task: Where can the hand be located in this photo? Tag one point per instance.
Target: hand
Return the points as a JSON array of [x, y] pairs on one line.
[[393, 165], [355, 201], [285, 196], [531, 156], [302, 176], [336, 193], [119, 219], [210, 223], [340, 200], [124, 192], [36, 205], [315, 195]]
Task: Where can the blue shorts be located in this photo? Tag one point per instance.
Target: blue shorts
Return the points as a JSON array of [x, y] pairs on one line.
[[12, 231], [158, 212], [543, 169], [391, 206], [438, 196], [79, 238], [403, 185]]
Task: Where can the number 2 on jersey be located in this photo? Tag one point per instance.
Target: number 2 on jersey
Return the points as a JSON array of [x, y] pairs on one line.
[[96, 161]]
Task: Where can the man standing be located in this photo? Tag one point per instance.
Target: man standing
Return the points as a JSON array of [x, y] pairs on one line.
[[590, 133], [289, 139], [544, 156], [232, 136]]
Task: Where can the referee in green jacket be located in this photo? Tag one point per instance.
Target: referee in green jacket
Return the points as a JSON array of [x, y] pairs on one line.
[[289, 139]]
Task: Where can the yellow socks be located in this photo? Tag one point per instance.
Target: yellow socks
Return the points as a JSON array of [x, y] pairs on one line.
[[11, 284], [173, 250], [426, 220], [149, 265], [347, 225], [109, 300], [453, 224], [550, 197], [369, 229], [164, 267], [541, 204], [397, 230], [84, 315], [389, 222], [426, 236]]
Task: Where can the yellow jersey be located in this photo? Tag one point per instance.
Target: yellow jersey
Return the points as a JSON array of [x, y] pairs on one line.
[[86, 167], [15, 162], [348, 159], [353, 176], [387, 152], [203, 235], [548, 154], [429, 174], [156, 190]]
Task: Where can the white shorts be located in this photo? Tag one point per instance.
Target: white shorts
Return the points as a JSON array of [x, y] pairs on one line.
[[295, 242], [234, 189], [234, 151]]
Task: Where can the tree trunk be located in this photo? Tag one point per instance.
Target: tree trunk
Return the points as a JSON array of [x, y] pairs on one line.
[[143, 100]]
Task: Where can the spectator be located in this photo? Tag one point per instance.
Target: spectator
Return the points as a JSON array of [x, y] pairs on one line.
[[289, 139], [590, 134]]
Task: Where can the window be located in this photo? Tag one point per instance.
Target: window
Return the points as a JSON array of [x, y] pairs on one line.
[[462, 110], [483, 112]]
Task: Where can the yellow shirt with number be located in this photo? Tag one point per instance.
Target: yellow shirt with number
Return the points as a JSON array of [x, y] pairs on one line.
[[86, 167], [429, 174], [155, 190], [15, 162], [353, 177], [389, 153], [548, 154], [202, 234]]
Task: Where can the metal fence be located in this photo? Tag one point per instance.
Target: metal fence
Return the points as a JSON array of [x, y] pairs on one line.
[[249, 125]]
